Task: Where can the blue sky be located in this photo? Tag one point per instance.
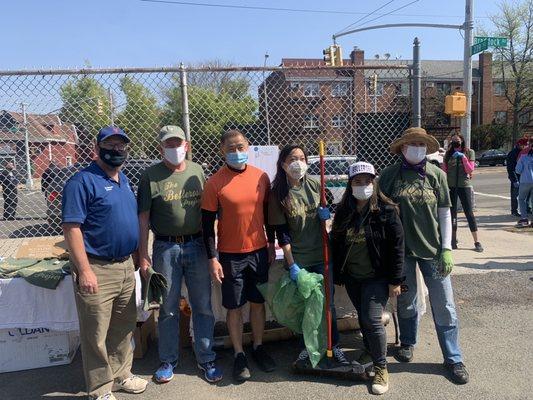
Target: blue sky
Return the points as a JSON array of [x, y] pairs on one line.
[[115, 33]]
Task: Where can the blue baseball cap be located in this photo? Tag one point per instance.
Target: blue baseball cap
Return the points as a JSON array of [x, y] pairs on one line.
[[108, 131]]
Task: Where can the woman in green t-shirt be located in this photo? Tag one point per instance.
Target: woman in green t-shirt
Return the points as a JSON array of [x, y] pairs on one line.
[[459, 164], [367, 244], [294, 211]]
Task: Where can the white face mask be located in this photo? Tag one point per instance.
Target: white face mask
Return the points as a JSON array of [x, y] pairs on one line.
[[363, 192], [175, 155], [297, 169], [415, 154]]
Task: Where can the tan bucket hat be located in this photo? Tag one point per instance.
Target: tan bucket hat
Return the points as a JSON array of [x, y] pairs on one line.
[[415, 135]]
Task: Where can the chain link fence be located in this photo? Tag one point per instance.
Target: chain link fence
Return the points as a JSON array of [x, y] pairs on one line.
[[49, 120]]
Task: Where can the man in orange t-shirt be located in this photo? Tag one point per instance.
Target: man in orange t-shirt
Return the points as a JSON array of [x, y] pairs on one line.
[[237, 194]]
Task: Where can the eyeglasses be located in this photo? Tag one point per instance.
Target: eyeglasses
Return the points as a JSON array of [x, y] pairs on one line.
[[117, 146]]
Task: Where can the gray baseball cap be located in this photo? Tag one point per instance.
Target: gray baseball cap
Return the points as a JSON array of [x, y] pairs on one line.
[[171, 131]]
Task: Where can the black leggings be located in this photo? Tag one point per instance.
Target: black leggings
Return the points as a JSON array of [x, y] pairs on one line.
[[465, 194]]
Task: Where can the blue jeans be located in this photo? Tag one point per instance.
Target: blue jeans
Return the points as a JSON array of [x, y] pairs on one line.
[[319, 269], [176, 261], [525, 199], [442, 307]]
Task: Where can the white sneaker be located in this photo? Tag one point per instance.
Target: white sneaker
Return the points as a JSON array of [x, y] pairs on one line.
[[107, 396], [133, 384]]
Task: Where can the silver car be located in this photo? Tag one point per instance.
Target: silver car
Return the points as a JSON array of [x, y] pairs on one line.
[[336, 174]]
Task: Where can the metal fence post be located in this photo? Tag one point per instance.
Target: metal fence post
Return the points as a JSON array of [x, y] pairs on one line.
[[417, 87], [29, 179], [185, 108]]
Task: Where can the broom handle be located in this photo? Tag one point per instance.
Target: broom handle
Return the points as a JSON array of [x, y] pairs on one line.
[[325, 252]]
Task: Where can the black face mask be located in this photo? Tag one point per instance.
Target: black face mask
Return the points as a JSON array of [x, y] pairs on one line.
[[456, 144], [113, 158]]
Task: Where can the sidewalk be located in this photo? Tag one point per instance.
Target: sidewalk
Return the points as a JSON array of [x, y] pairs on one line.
[[506, 247]]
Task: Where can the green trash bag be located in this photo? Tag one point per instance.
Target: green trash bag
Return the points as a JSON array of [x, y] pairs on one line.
[[300, 308]]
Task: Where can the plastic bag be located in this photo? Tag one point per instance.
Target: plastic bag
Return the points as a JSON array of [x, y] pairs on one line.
[[300, 308]]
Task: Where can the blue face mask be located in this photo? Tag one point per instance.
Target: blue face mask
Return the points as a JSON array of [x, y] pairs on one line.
[[236, 159]]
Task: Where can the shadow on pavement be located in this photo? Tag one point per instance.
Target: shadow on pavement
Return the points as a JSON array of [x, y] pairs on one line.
[[38, 230]]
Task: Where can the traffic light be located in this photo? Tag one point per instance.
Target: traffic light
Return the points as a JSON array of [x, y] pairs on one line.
[[329, 56], [338, 56], [374, 83], [99, 106]]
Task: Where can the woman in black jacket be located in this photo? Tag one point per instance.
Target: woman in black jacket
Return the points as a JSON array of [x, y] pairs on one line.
[[368, 252]]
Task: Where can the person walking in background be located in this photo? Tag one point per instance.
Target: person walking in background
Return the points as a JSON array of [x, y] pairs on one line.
[[514, 178], [524, 168], [367, 245], [295, 213], [9, 183], [459, 165], [169, 203]]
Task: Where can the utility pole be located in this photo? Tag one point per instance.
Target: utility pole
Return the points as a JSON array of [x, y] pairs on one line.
[[466, 122], [265, 96], [29, 179], [417, 87]]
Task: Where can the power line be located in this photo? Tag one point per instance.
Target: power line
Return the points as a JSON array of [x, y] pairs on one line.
[[366, 16], [390, 13], [214, 5]]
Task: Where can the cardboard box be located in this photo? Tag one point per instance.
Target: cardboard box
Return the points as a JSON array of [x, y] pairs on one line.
[[23, 348], [40, 248], [142, 335]]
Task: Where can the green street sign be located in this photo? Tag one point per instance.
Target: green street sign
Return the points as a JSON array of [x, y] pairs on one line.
[[479, 47], [492, 41]]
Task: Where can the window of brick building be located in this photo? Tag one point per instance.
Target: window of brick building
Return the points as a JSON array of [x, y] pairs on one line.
[[338, 121], [402, 89], [500, 117], [525, 118], [311, 89], [444, 88], [380, 88], [499, 88], [295, 86], [310, 121], [339, 89]]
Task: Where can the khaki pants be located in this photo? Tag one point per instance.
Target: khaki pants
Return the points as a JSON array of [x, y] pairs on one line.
[[107, 321]]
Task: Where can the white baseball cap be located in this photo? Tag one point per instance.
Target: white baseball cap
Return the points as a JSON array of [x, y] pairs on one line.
[[361, 167]]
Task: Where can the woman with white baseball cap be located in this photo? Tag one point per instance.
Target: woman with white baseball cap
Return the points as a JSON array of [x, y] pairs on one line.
[[368, 250]]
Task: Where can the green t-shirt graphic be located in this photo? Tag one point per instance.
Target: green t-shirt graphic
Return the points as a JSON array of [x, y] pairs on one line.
[[173, 198], [358, 263], [418, 199], [302, 219]]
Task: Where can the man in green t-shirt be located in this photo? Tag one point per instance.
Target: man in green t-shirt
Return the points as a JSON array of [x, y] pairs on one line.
[[169, 198], [421, 191]]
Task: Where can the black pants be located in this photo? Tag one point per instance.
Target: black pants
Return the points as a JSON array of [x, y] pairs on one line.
[[10, 205], [514, 199], [369, 299], [465, 195]]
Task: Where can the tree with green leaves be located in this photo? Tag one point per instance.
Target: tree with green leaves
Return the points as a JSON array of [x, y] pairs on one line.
[[140, 118], [86, 105], [514, 63]]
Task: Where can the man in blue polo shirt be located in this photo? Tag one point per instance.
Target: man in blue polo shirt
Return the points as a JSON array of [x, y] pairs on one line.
[[99, 214]]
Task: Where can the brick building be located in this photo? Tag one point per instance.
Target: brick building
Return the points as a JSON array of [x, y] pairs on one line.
[[49, 140]]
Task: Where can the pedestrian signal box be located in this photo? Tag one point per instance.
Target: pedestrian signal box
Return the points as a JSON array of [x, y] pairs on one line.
[[455, 104]]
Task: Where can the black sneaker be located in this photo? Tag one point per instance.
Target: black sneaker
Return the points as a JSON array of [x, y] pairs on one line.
[[458, 373], [454, 246], [478, 247], [404, 353], [263, 360], [241, 372], [515, 214]]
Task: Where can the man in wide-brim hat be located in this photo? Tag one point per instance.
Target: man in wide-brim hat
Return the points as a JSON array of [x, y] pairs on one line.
[[421, 191]]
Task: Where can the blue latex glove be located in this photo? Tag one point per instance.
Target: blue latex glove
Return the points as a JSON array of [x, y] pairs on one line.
[[323, 213], [294, 270], [458, 154]]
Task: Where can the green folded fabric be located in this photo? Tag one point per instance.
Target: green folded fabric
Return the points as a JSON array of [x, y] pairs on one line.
[[153, 289], [46, 273]]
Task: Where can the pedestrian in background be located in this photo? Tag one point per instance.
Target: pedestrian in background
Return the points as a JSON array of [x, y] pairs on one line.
[[524, 168], [459, 164], [101, 229], [514, 178], [9, 183]]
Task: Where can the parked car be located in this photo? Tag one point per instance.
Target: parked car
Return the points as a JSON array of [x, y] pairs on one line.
[[491, 157], [336, 174], [437, 158], [132, 168]]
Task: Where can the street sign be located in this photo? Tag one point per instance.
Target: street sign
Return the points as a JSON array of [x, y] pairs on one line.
[[479, 47], [492, 41]]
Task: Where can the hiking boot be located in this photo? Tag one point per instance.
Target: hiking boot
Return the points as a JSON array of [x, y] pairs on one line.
[[107, 396], [380, 383], [263, 360], [404, 353], [339, 355], [133, 384], [457, 372], [211, 373], [523, 223], [241, 372], [478, 247], [164, 373]]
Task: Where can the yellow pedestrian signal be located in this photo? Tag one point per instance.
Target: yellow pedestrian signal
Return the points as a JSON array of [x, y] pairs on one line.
[[455, 104]]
